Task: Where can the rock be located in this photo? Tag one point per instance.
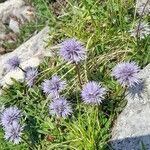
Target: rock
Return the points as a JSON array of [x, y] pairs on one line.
[[7, 8], [141, 8], [31, 53], [13, 14], [132, 128], [24, 13], [14, 25]]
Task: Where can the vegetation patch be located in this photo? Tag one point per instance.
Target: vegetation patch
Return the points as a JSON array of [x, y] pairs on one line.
[[72, 99]]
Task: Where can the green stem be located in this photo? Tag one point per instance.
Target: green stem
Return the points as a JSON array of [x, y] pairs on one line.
[[78, 73], [30, 146], [124, 93]]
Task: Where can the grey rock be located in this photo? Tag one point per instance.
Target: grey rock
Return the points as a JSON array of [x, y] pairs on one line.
[[14, 25], [24, 13], [132, 128], [2, 32], [31, 53], [142, 8], [7, 8], [15, 13]]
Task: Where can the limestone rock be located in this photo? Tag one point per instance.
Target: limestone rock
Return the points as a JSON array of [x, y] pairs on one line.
[[141, 8], [24, 13], [31, 53], [132, 128], [14, 14], [14, 25], [7, 8]]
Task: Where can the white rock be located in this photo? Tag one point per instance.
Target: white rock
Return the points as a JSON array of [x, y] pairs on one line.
[[14, 25], [24, 13], [7, 8], [15, 13], [141, 8], [31, 54], [132, 128]]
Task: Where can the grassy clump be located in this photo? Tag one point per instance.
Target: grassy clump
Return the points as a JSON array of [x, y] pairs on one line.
[[103, 26]]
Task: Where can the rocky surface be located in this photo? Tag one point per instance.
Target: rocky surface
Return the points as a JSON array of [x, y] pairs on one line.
[[31, 54], [142, 8], [13, 14], [132, 128]]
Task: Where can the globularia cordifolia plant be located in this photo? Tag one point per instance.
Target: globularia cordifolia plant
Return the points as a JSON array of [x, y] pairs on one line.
[[60, 107], [93, 93], [10, 122], [30, 76], [74, 52], [13, 132], [9, 115], [126, 73], [53, 86], [13, 63]]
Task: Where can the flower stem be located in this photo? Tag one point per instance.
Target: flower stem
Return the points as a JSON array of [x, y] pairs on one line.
[[123, 96], [21, 69], [30, 146], [78, 73]]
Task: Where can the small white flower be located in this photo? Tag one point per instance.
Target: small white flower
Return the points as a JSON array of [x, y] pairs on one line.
[[140, 30]]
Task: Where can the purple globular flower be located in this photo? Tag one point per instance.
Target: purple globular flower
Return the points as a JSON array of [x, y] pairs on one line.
[[30, 75], [9, 115], [13, 132], [53, 86], [60, 108], [72, 51], [13, 63], [93, 93], [126, 73]]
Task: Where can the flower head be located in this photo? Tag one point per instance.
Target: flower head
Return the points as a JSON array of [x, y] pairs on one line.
[[53, 86], [30, 75], [60, 107], [93, 93], [126, 73], [140, 30], [13, 132], [9, 115], [13, 63], [72, 51]]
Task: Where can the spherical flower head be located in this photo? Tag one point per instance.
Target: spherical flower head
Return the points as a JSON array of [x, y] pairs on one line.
[[60, 108], [13, 132], [93, 93], [9, 115], [30, 75], [13, 63], [53, 86], [141, 31], [72, 51], [126, 73]]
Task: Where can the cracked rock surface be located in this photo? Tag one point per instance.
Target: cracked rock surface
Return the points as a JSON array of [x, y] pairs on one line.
[[13, 14], [142, 8]]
